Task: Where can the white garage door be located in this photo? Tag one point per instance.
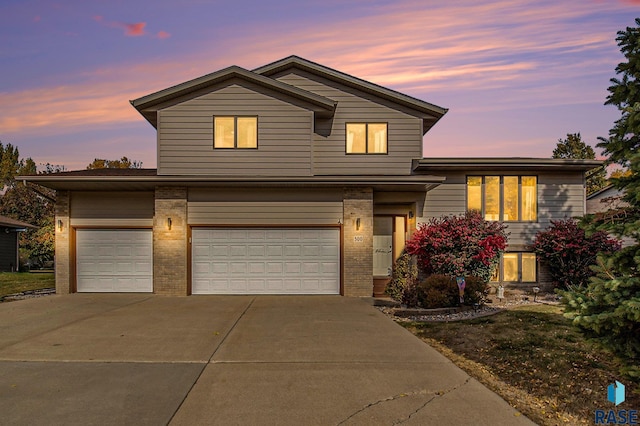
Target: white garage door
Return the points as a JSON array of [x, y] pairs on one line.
[[114, 260], [266, 261]]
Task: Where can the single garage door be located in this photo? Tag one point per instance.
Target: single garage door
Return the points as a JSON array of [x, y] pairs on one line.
[[266, 261], [114, 260]]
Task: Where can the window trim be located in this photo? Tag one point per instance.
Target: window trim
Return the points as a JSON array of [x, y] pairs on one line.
[[519, 281], [501, 196], [235, 131], [366, 140]]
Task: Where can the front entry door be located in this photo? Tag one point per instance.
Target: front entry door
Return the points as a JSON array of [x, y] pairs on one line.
[[389, 236]]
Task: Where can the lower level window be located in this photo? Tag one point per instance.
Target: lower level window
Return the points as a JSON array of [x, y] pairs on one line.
[[516, 267]]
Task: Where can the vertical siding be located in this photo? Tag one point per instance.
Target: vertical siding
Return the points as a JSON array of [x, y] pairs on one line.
[[185, 135], [559, 196], [329, 157]]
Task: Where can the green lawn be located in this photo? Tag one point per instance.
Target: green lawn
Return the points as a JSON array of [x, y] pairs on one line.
[[534, 358], [16, 282]]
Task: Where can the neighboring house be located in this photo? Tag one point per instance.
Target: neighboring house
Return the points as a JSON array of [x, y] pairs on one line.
[[606, 199], [9, 243], [293, 178]]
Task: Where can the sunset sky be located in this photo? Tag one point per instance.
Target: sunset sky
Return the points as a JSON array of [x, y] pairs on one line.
[[516, 75]]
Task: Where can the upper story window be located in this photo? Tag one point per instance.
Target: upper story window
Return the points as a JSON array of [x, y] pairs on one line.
[[366, 138], [504, 198], [235, 132]]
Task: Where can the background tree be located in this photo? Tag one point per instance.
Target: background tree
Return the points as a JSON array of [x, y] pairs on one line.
[[608, 309], [574, 148], [618, 173], [123, 163], [28, 204]]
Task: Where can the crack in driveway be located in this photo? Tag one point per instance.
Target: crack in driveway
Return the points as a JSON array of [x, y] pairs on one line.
[[204, 366], [434, 395]]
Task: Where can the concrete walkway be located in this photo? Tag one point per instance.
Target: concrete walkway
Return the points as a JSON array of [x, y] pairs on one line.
[[104, 359]]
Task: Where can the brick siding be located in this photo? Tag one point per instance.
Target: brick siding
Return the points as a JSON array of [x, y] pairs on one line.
[[170, 257], [357, 259], [63, 244]]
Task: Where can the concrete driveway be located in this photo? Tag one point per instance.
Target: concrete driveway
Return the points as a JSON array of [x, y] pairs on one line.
[[100, 359]]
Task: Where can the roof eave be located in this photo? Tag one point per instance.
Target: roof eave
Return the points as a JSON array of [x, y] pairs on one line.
[[412, 182], [506, 164]]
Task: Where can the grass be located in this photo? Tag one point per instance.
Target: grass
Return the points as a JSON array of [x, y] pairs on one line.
[[16, 282], [535, 359]]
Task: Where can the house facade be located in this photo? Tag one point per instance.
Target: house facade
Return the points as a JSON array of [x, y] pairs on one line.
[[10, 230], [293, 178]]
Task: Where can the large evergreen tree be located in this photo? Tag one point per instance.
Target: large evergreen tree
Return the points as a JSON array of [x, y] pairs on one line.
[[609, 307], [573, 147]]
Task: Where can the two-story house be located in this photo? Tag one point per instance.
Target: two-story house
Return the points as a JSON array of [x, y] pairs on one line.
[[293, 178]]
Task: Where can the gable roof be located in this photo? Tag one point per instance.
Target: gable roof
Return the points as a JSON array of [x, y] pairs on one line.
[[430, 113], [149, 104]]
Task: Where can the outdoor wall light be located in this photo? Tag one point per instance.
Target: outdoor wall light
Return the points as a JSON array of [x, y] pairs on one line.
[[169, 223], [410, 215], [59, 225], [357, 224]]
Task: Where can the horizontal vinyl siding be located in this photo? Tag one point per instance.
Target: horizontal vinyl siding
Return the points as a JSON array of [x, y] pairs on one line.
[[114, 206], [265, 213], [271, 195], [559, 196], [404, 132], [185, 136]]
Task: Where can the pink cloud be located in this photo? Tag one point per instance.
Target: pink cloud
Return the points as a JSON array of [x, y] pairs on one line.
[[631, 1], [133, 30], [136, 29], [37, 18]]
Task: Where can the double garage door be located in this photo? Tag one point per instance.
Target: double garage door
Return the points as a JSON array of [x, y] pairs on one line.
[[224, 260], [265, 261]]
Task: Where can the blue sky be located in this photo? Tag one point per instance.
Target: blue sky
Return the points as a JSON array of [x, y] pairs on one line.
[[517, 75]]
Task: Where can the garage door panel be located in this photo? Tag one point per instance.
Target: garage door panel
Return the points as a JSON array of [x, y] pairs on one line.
[[273, 260], [274, 268], [256, 268], [114, 260]]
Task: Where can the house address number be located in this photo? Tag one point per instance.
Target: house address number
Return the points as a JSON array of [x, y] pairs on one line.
[[358, 238]]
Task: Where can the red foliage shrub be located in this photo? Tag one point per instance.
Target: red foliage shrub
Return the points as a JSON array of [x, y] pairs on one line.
[[464, 245], [569, 253]]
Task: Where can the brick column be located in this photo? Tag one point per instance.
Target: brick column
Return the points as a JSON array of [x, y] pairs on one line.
[[357, 246], [170, 259], [63, 244]]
